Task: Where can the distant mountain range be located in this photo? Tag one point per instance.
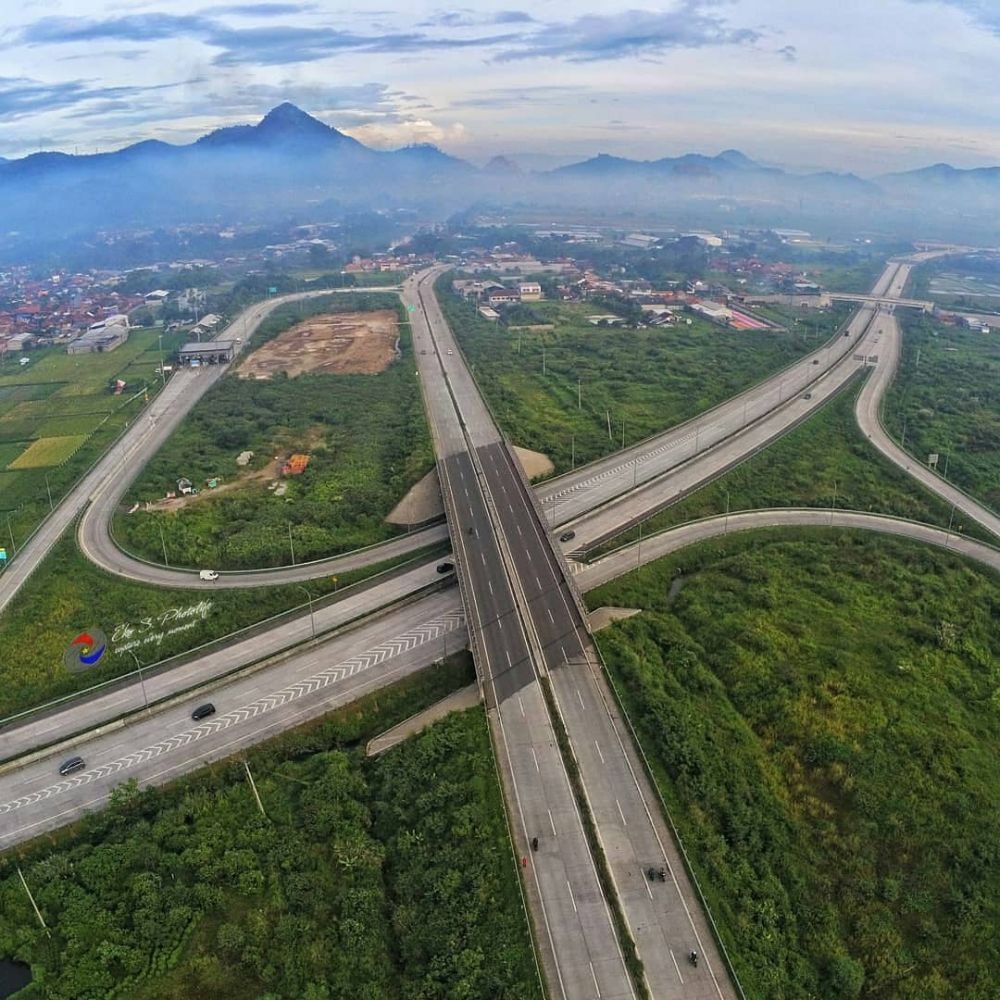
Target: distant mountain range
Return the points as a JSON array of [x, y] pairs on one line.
[[292, 165]]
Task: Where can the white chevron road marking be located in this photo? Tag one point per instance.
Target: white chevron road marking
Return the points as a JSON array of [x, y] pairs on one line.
[[411, 639]]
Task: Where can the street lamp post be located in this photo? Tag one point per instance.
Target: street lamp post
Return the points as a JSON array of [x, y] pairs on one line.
[[726, 525], [142, 682], [312, 618]]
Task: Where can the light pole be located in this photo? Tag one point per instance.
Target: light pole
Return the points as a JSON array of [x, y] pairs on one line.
[[49, 491], [166, 561], [163, 374], [312, 618], [573, 451], [726, 526], [291, 544], [142, 683]]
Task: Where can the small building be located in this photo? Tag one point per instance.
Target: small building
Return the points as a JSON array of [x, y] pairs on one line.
[[209, 352], [503, 298], [641, 241], [157, 295], [487, 313], [101, 337], [295, 465], [530, 291], [714, 311]]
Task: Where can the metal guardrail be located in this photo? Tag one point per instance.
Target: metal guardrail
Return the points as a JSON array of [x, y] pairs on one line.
[[178, 659]]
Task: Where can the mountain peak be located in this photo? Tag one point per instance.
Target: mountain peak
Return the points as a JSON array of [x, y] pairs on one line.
[[288, 120]]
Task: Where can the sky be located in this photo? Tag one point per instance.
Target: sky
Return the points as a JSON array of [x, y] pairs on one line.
[[863, 85]]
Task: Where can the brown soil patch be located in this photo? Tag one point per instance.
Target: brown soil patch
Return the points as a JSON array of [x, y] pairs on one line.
[[421, 503], [359, 343], [269, 472], [534, 463], [603, 617]]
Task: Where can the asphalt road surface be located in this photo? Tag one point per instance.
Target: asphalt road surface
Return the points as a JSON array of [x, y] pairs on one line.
[[867, 412], [80, 715], [425, 643], [578, 947], [157, 748], [665, 919]]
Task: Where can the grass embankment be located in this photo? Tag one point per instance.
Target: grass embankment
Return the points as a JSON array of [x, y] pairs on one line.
[[824, 462], [822, 714], [650, 378], [366, 435], [58, 415], [390, 877], [67, 595], [950, 403]]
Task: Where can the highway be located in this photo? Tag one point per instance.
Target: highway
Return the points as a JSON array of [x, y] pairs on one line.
[[578, 947], [157, 748], [84, 714], [868, 414], [630, 557], [565, 499], [122, 462], [525, 624], [664, 919], [419, 634]]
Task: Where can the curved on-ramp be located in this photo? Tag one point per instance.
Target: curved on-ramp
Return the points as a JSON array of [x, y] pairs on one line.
[[637, 554], [868, 413]]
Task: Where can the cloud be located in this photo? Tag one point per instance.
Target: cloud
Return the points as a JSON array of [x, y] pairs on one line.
[[788, 52], [272, 45], [516, 97], [21, 97], [592, 37], [391, 134], [984, 12], [466, 18], [262, 9]]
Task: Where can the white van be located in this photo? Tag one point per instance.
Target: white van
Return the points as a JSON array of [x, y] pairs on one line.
[[207, 574]]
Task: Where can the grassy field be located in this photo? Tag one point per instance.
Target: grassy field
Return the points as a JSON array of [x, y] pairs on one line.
[[64, 396], [68, 594], [824, 461], [651, 379], [822, 715], [950, 403], [391, 877], [368, 442]]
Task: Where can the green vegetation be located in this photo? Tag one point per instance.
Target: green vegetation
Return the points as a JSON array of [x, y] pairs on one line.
[[822, 716], [823, 462], [68, 594], [62, 395], [949, 403], [366, 435], [364, 880], [650, 378]]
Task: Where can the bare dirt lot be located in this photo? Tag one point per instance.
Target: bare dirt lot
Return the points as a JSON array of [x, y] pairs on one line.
[[359, 343]]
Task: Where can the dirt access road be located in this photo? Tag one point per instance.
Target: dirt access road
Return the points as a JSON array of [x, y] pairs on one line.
[[356, 343]]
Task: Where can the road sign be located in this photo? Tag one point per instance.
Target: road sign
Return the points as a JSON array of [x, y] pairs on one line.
[[410, 308], [272, 290], [932, 460], [3, 555]]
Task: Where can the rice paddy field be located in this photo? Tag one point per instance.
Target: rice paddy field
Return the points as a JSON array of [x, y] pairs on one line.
[[57, 416]]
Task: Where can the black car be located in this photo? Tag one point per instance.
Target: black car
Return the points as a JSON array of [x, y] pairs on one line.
[[203, 711], [71, 765], [567, 536], [445, 567], [815, 361]]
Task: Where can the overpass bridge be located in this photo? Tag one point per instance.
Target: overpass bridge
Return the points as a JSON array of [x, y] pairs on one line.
[[921, 304]]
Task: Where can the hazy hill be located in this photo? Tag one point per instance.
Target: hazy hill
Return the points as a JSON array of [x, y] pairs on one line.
[[290, 164]]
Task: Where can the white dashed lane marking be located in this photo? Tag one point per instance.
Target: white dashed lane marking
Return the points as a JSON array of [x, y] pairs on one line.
[[331, 675]]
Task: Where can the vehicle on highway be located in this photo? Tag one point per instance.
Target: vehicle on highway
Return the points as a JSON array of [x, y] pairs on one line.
[[445, 567], [203, 711], [207, 574], [815, 361], [808, 395], [450, 351], [71, 765], [567, 536]]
